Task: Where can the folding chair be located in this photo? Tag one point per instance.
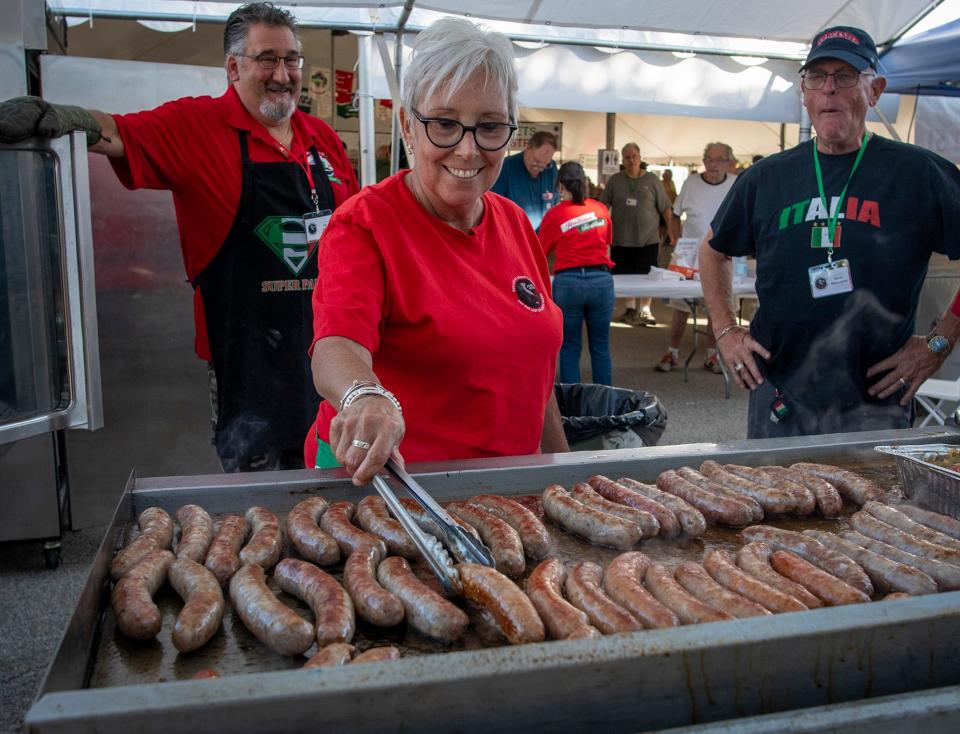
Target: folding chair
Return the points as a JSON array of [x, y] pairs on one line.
[[942, 391]]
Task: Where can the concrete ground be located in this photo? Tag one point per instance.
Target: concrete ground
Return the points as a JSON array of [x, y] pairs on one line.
[[36, 603]]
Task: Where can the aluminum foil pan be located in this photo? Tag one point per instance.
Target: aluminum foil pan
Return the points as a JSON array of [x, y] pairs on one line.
[[925, 483]]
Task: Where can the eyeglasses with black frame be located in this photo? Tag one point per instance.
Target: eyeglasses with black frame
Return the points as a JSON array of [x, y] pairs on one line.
[[446, 133], [269, 61], [845, 78]]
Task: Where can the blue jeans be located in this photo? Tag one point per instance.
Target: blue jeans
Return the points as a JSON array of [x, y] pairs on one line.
[[585, 294]]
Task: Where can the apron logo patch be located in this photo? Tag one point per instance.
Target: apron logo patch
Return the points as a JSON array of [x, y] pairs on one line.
[[327, 168], [527, 294], [287, 240]]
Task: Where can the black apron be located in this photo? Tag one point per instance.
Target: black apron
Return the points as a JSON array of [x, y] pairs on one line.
[[257, 299]]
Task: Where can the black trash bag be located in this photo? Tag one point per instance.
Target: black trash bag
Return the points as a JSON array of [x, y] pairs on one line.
[[590, 411]]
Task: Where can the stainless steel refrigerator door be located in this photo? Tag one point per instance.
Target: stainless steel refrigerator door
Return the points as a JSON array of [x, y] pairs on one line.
[[49, 354]]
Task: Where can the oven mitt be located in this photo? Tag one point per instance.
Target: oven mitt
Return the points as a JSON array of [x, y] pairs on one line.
[[25, 117]]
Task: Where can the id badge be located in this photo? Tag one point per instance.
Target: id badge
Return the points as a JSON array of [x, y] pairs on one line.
[[631, 202], [820, 236], [314, 223], [830, 279]]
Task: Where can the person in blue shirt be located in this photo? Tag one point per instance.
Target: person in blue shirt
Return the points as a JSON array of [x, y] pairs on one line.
[[529, 179]]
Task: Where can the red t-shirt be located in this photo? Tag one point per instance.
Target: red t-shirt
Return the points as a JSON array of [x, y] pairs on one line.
[[461, 327], [191, 147], [580, 233]]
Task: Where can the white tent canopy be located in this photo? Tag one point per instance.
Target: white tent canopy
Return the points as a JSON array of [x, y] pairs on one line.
[[564, 77], [604, 55], [748, 26]]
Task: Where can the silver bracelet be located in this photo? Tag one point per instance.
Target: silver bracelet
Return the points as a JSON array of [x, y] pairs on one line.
[[369, 389], [353, 386], [726, 331]]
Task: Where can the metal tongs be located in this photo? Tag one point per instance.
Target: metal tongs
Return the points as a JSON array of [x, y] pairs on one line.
[[464, 547]]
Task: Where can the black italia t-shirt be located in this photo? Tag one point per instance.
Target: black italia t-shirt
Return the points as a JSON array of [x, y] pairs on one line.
[[902, 204]]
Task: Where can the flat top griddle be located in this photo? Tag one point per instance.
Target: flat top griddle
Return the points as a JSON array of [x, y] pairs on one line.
[[639, 681], [234, 650]]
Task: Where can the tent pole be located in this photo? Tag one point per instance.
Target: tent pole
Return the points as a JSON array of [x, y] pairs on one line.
[[395, 137], [783, 136], [886, 123], [611, 130], [368, 164], [804, 124]]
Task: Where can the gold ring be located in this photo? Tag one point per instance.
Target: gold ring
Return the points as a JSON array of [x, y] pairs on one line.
[[360, 444]]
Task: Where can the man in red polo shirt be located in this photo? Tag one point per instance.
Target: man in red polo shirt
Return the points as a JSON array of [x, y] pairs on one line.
[[254, 181]]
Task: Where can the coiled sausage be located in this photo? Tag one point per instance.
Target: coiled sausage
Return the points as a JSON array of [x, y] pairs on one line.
[[331, 604], [303, 528], [583, 588], [510, 607], [202, 612], [271, 621], [597, 527], [623, 581], [426, 610], [265, 544], [545, 590], [223, 558]]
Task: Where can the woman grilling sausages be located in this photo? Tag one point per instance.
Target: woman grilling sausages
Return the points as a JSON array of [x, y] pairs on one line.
[[433, 293], [579, 230]]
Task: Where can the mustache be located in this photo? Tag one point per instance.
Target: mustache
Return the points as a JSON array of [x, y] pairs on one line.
[[280, 88]]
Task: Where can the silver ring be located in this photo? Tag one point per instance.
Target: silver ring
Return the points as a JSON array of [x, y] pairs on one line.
[[904, 382], [738, 366], [360, 444]]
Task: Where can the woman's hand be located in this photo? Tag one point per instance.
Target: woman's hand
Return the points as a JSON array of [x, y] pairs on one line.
[[365, 435], [737, 347]]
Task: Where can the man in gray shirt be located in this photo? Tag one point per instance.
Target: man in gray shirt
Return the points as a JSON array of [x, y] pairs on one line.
[[636, 200]]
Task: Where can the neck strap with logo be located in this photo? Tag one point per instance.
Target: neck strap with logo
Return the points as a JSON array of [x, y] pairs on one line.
[[832, 218]]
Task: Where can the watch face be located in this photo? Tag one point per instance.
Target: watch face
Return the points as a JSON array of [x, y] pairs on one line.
[[938, 344]]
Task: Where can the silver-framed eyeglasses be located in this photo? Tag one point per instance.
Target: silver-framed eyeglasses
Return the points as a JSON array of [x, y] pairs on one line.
[[269, 62], [845, 78], [446, 133]]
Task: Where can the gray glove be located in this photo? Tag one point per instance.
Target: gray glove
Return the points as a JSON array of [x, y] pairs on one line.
[[26, 117]]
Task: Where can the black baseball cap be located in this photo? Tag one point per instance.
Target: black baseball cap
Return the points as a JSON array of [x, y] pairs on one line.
[[846, 43]]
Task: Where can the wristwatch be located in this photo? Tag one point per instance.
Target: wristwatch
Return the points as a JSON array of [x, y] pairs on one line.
[[938, 344]]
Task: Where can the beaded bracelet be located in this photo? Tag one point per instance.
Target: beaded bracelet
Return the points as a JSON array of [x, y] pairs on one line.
[[726, 331]]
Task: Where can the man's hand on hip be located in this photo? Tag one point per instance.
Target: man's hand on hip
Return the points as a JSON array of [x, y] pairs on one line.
[[25, 117], [737, 347], [907, 368]]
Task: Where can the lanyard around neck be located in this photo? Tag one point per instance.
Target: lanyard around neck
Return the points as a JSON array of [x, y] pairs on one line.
[[832, 218]]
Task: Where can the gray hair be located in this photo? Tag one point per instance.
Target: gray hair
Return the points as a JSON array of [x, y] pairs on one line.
[[240, 21], [448, 52], [727, 149], [630, 146]]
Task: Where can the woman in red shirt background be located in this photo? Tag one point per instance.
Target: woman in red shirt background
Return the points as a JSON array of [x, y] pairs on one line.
[[579, 230]]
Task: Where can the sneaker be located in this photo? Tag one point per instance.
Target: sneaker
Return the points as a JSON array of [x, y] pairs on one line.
[[712, 363], [629, 316], [669, 362], [645, 318]]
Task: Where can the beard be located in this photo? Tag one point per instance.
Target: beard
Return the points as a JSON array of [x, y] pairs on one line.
[[279, 110]]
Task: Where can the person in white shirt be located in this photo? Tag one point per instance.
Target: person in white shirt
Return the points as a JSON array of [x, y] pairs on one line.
[[699, 200]]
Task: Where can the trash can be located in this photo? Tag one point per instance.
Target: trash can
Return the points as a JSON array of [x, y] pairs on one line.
[[603, 417]]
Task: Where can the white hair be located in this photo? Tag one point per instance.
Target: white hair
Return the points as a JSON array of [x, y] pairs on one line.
[[448, 53]]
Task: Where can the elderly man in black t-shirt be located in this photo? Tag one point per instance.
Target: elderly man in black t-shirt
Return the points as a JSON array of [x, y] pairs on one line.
[[842, 228]]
